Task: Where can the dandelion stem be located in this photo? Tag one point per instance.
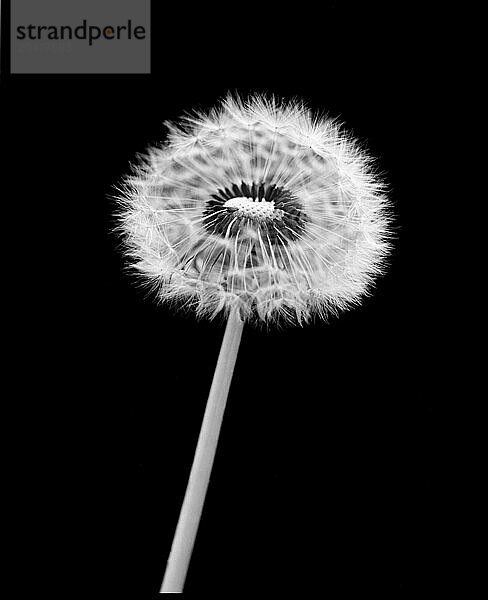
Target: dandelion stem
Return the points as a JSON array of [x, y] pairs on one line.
[[191, 510]]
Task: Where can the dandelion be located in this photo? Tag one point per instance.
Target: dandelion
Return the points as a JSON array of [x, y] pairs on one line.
[[259, 211]]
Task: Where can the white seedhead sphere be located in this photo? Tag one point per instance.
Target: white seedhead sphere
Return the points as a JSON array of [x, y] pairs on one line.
[[257, 207]]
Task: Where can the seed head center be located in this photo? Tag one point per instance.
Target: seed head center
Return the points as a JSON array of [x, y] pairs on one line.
[[254, 209]]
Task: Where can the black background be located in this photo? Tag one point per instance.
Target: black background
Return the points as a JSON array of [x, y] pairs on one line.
[[329, 472]]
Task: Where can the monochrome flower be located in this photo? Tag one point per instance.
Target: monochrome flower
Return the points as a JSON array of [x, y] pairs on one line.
[[257, 207]]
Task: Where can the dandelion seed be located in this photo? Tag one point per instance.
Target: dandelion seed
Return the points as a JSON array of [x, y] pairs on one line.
[[260, 211]]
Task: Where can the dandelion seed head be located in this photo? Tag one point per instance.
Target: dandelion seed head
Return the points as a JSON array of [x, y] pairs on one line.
[[257, 207]]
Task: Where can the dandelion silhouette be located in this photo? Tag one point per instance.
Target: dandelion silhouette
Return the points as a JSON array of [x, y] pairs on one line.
[[259, 211]]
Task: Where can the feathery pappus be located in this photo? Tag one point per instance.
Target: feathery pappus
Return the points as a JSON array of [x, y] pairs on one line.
[[258, 207]]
